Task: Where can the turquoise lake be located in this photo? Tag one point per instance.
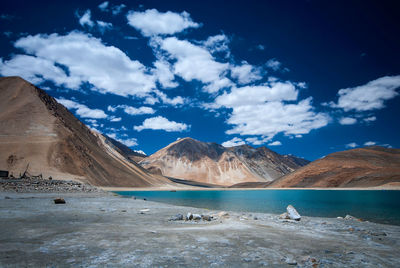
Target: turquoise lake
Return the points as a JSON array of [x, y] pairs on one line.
[[377, 206]]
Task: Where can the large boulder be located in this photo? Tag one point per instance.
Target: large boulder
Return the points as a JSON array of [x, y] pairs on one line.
[[292, 213]]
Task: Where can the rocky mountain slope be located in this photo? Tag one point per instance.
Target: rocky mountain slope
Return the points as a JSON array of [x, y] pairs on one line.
[[36, 130], [212, 163], [363, 167]]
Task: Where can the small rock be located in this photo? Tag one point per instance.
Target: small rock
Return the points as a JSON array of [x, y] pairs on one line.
[[189, 216], [59, 201], [142, 211], [223, 214], [340, 218], [255, 218], [291, 261], [284, 216], [292, 213], [7, 197], [349, 217], [177, 217], [206, 217], [377, 233], [196, 217], [124, 210]]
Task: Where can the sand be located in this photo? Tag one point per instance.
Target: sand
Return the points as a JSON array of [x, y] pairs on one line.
[[102, 229]]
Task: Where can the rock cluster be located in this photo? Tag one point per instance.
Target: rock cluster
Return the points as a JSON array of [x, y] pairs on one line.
[[44, 186], [191, 217]]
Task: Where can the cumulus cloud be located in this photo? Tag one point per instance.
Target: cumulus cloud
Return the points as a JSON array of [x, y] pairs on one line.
[[162, 123], [164, 73], [268, 110], [246, 73], [370, 96], [132, 110], [347, 121], [86, 19], [275, 143], [217, 43], [36, 70], [369, 143], [115, 119], [233, 142], [82, 110], [257, 141], [351, 145], [87, 59], [195, 63], [152, 22]]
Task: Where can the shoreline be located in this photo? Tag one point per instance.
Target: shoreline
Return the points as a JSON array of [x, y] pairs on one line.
[[133, 189]]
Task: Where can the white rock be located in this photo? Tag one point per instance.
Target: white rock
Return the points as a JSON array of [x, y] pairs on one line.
[[189, 216], [292, 213], [196, 217]]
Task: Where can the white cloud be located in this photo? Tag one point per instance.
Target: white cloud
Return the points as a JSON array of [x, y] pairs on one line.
[[369, 143], [36, 70], [103, 26], [82, 110], [252, 95], [275, 143], [347, 121], [86, 19], [129, 142], [246, 73], [117, 9], [217, 43], [178, 100], [164, 73], [115, 119], [140, 152], [103, 6], [151, 22], [195, 63], [233, 142], [161, 123], [263, 110], [273, 64], [370, 119], [370, 96], [257, 141], [132, 110], [351, 145], [87, 59], [271, 118]]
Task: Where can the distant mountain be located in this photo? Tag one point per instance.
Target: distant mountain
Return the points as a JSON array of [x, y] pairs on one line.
[[125, 150], [36, 130], [363, 167], [212, 163]]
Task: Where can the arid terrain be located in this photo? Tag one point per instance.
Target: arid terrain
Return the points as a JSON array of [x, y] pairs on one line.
[[36, 130], [100, 229], [364, 167]]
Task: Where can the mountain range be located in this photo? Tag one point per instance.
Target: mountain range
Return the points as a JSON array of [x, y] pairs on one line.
[[40, 135]]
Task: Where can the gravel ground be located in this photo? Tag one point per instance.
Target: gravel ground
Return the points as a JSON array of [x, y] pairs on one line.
[[101, 229]]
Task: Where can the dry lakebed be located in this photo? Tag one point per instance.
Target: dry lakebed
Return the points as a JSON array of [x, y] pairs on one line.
[[102, 229]]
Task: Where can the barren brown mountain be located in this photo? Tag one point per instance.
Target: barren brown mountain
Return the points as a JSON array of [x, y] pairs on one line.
[[364, 167], [212, 163], [36, 130]]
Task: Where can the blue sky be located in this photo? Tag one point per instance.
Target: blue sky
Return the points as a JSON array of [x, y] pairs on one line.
[[301, 77]]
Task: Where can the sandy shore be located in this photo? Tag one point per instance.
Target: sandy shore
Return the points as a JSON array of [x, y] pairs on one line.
[[169, 188], [101, 229]]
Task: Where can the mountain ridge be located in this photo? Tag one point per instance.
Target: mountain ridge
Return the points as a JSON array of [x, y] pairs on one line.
[[209, 162]]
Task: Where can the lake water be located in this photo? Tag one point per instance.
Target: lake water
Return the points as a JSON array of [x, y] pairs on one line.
[[376, 206]]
